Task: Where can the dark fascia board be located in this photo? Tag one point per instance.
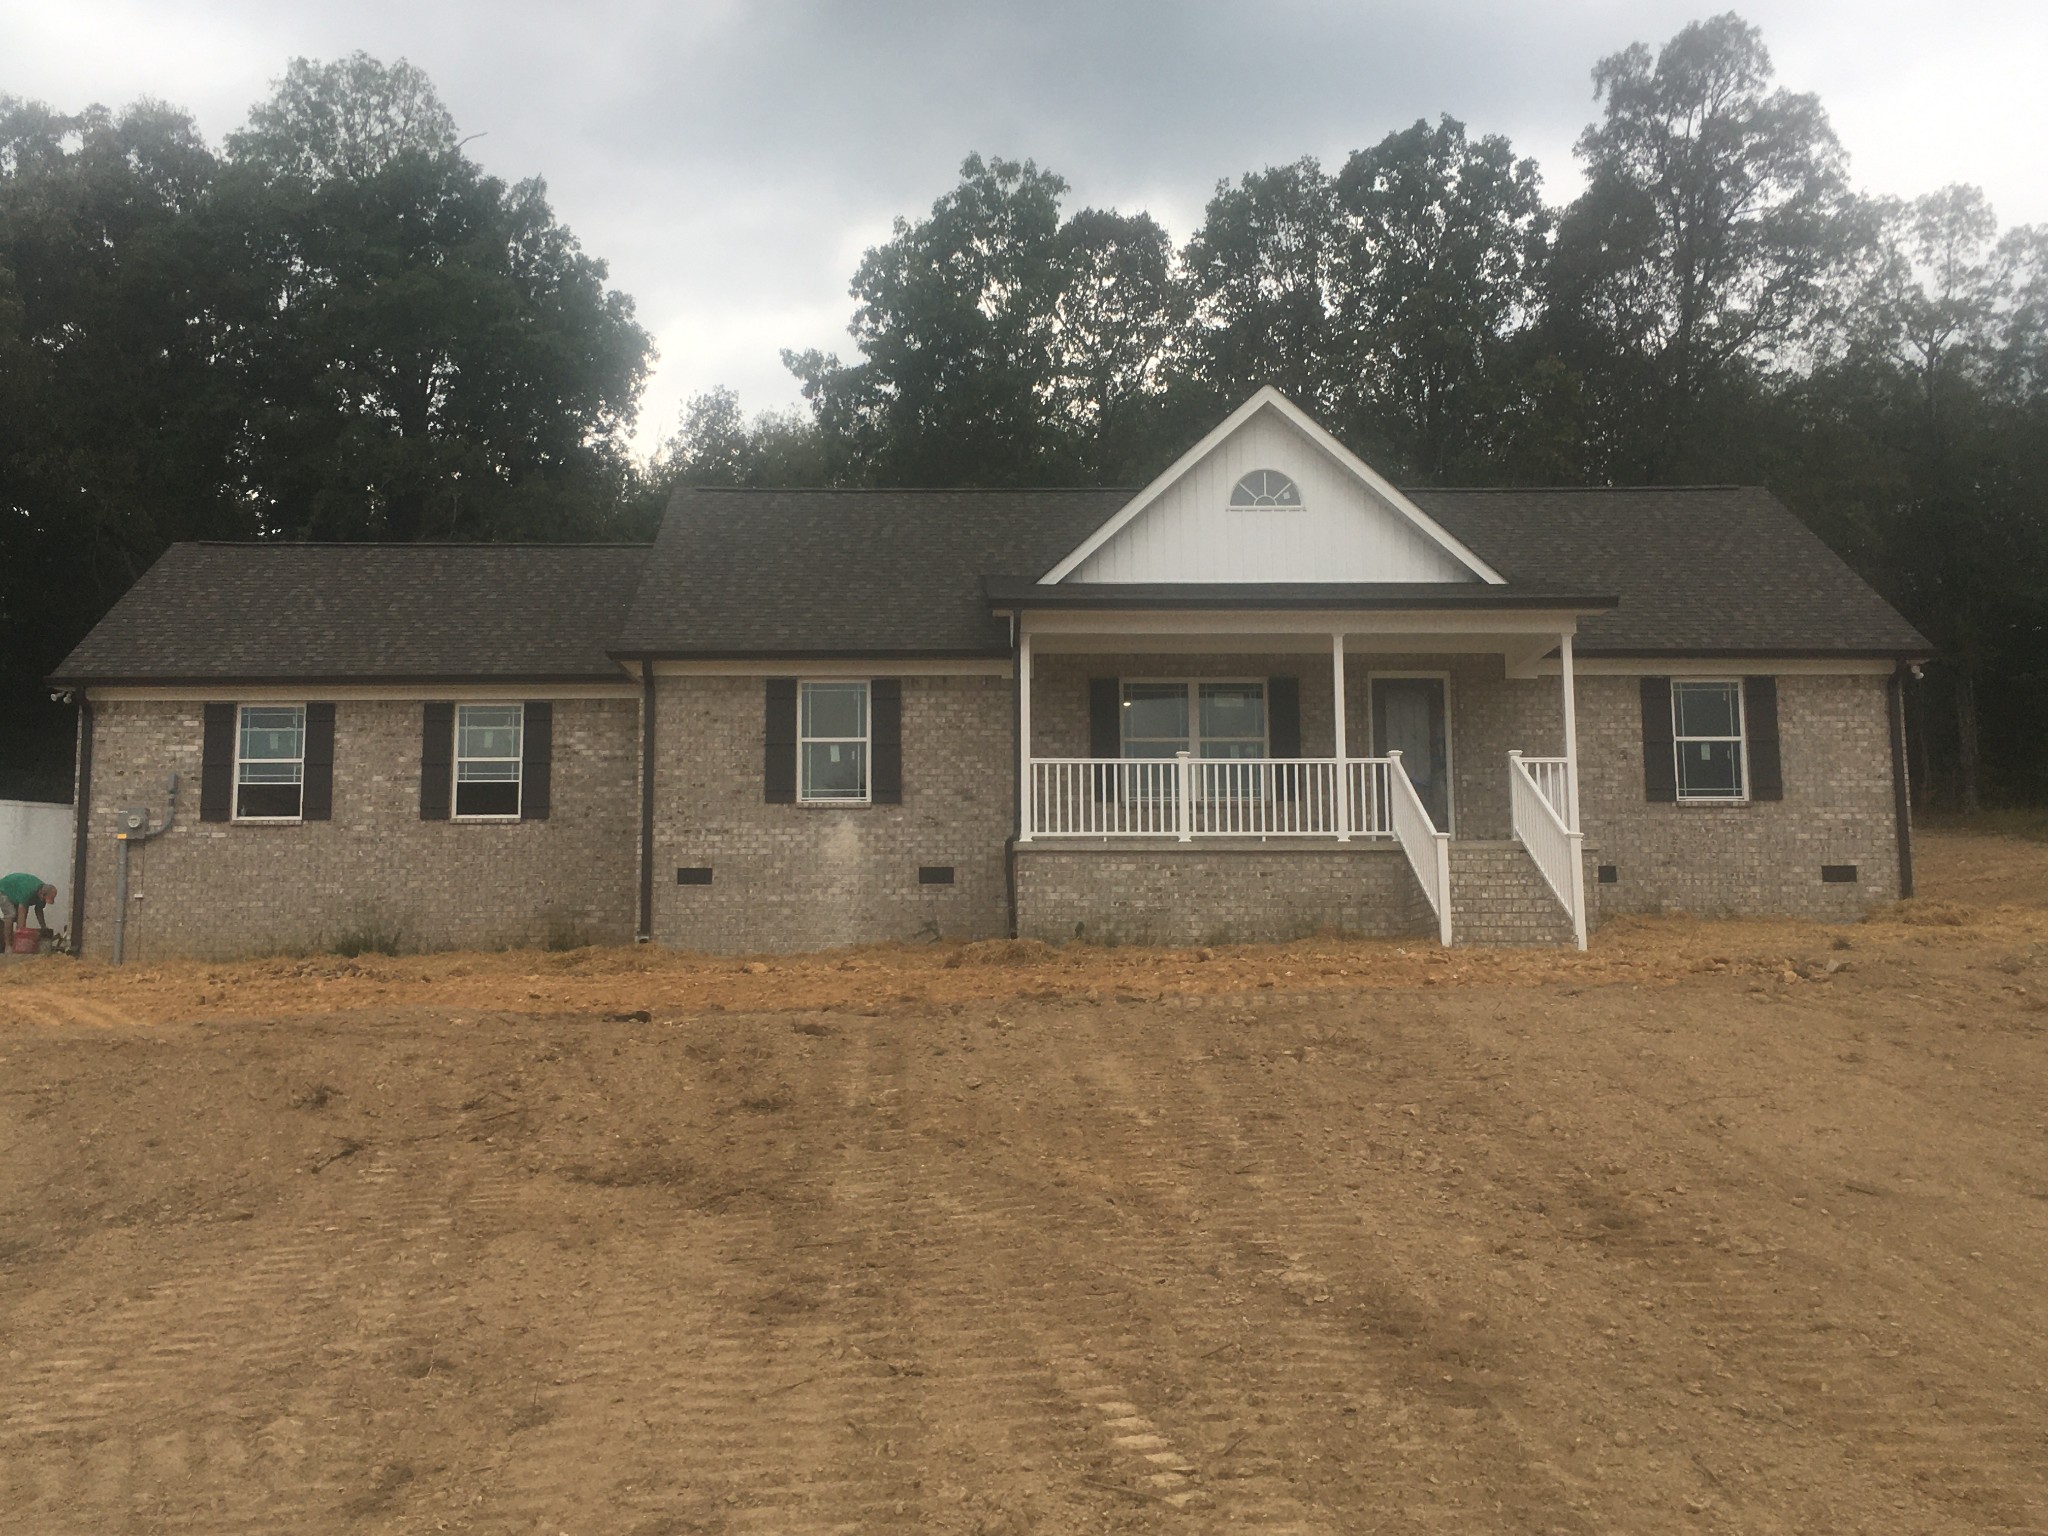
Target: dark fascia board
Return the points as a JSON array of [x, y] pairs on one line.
[[343, 680], [1013, 593], [1756, 653], [857, 653]]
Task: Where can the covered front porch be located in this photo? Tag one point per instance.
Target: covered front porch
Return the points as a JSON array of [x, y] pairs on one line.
[[1361, 764]]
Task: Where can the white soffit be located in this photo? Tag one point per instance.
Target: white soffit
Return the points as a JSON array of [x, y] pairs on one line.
[[1352, 524]]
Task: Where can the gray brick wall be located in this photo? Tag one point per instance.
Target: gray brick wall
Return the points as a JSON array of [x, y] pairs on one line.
[[790, 877], [797, 877], [1210, 894], [1758, 859], [220, 889]]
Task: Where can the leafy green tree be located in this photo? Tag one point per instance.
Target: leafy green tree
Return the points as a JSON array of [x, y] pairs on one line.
[[1434, 279], [1113, 320], [118, 428], [1708, 246], [955, 329], [444, 359], [1259, 276], [715, 444], [344, 329]]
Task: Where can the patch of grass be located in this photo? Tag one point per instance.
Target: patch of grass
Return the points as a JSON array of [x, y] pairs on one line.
[[369, 937], [561, 933]]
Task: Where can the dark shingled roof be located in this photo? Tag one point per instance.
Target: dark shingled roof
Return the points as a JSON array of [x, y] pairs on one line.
[[1693, 571], [1699, 570], [877, 573], [364, 612]]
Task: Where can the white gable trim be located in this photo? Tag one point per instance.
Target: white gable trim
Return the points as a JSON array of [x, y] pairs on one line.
[[1307, 425]]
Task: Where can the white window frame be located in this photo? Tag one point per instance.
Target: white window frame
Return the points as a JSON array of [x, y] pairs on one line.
[[1234, 505], [866, 742], [518, 761], [269, 821], [1740, 738], [1194, 686]]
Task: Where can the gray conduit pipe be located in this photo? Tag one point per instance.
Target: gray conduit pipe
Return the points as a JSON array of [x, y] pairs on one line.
[[125, 836]]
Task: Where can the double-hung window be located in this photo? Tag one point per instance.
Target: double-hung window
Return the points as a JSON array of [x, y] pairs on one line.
[[1706, 730], [1214, 720], [832, 742], [270, 762], [487, 756]]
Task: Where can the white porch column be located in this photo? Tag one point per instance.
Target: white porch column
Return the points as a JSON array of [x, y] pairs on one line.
[[1337, 737], [1023, 731], [1571, 732]]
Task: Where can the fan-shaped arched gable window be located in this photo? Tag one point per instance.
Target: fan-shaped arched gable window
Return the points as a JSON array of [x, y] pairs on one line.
[[1265, 488]]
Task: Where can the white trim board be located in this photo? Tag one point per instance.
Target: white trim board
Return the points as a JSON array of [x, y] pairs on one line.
[[1270, 399], [300, 693], [797, 666], [1723, 666]]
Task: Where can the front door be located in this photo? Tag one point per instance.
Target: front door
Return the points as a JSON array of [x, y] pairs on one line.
[[1408, 717]]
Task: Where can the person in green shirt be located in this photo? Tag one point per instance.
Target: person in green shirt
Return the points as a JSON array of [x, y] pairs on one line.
[[17, 894]]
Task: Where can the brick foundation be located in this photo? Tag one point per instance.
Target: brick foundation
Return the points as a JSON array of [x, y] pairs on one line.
[[1215, 894]]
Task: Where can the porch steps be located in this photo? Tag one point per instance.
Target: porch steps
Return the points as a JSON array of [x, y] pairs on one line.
[[1499, 897]]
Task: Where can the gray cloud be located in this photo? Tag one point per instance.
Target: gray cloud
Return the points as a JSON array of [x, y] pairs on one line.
[[731, 160]]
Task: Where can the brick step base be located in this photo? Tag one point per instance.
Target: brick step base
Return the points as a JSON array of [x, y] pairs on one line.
[[1499, 897]]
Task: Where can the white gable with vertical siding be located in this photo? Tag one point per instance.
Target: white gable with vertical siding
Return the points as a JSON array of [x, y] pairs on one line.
[[1350, 525]]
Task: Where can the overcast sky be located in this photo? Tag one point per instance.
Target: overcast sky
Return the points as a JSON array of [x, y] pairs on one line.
[[731, 160]]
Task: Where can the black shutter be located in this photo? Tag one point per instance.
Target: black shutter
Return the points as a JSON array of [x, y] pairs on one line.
[[537, 761], [437, 760], [317, 801], [885, 741], [1760, 721], [1660, 762], [1105, 717], [1283, 715], [778, 760], [1105, 730], [217, 764]]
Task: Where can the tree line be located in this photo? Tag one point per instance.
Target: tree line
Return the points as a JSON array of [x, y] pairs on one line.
[[336, 326]]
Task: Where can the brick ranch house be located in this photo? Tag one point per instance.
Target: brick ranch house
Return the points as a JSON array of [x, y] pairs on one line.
[[1267, 694]]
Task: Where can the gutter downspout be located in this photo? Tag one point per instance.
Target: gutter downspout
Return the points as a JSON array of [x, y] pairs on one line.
[[81, 810], [125, 837], [645, 935], [1016, 770], [1902, 797]]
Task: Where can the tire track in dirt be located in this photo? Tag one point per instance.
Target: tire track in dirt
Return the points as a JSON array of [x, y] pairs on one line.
[[38, 1007], [243, 1433], [1705, 1290], [1324, 1322]]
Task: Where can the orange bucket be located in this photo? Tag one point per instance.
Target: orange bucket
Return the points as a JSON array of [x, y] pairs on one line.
[[26, 941]]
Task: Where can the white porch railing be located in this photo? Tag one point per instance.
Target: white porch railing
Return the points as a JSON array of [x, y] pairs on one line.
[[1549, 774], [1537, 787], [1189, 797], [1428, 850]]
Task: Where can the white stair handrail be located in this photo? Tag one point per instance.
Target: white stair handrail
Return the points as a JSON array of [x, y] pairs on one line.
[[1428, 850], [1556, 849]]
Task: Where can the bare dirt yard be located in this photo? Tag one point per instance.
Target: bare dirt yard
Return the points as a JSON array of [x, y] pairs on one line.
[[1720, 1227]]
